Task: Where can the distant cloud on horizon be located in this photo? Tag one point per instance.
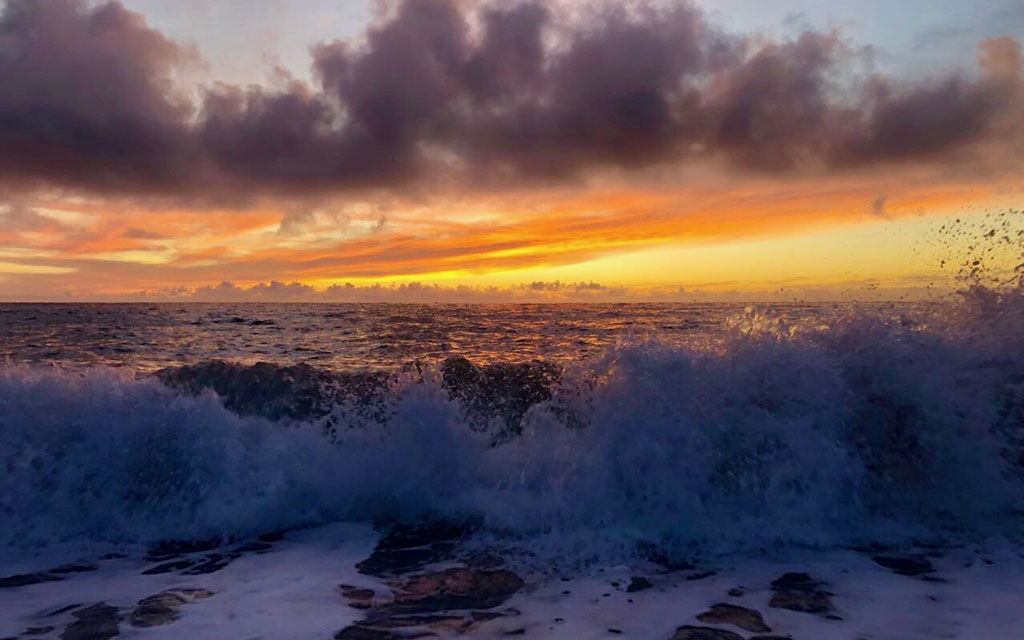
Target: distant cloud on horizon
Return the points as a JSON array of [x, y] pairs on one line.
[[277, 291]]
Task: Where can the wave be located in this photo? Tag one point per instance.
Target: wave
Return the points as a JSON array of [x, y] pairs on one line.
[[864, 428]]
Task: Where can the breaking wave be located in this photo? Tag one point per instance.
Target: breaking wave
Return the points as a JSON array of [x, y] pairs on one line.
[[865, 428]]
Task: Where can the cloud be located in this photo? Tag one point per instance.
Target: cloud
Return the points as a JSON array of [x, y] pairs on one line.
[[277, 291], [535, 292], [133, 233], [16, 218], [475, 93], [87, 98]]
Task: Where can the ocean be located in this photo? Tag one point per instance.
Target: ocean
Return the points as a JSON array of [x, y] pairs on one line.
[[689, 428], [146, 337], [572, 470]]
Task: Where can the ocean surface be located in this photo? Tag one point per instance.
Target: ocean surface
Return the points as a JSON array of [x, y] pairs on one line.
[[595, 431], [147, 337]]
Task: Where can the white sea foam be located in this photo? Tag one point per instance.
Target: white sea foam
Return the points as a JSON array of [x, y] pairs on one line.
[[862, 429]]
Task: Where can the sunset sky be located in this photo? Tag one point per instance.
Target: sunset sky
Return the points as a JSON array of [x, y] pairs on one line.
[[521, 150]]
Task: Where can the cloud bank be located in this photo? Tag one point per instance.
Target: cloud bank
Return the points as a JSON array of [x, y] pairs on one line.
[[474, 93], [538, 292]]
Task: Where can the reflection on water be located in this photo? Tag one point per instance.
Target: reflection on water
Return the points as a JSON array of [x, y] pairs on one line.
[[354, 336]]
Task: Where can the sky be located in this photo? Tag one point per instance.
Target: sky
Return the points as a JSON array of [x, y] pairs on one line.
[[458, 150]]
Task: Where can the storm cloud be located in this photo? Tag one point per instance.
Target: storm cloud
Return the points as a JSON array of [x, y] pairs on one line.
[[87, 98], [484, 92]]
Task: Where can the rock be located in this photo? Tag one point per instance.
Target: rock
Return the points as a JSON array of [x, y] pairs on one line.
[[383, 563], [905, 565], [794, 582], [64, 609], [457, 588], [356, 632], [163, 608], [704, 633], [353, 593], [638, 583], [154, 613], [425, 534], [737, 592], [423, 604], [24, 580], [800, 592], [802, 601], [501, 392], [700, 576], [407, 549], [485, 616], [74, 568], [741, 617], [416, 626], [98, 622], [38, 631], [437, 622], [297, 392]]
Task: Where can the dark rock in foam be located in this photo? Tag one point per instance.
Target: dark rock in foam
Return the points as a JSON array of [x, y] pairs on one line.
[[704, 633], [404, 549], [298, 392], [37, 631], [800, 592], [98, 622], [26, 579], [74, 568], [164, 607], [498, 392], [356, 632], [451, 589], [910, 565], [429, 603], [746, 619]]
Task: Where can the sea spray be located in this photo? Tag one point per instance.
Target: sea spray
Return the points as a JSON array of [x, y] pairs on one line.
[[864, 427]]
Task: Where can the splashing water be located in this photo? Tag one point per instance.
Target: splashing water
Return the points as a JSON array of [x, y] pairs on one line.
[[855, 427]]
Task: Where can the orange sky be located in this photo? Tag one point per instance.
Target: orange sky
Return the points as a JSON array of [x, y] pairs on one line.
[[854, 201], [720, 235]]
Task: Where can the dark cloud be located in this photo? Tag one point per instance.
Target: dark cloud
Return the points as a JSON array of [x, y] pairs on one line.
[[487, 91], [937, 116], [87, 98], [619, 95], [773, 107]]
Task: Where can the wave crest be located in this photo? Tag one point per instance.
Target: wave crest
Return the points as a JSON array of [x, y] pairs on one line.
[[865, 427]]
